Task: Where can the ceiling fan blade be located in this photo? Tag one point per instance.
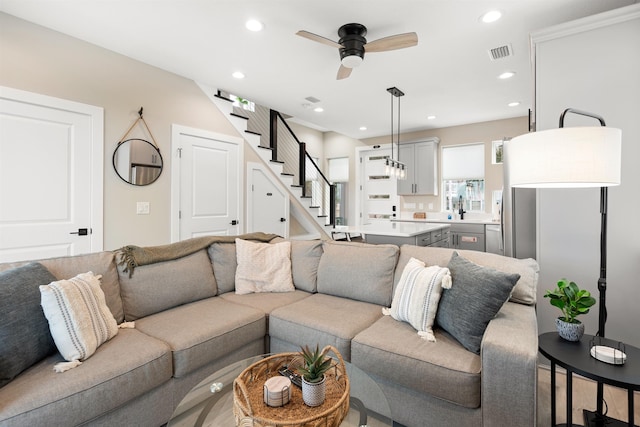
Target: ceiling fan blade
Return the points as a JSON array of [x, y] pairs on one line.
[[399, 41], [319, 39], [343, 72]]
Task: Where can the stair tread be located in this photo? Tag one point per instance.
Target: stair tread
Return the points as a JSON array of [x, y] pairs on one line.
[[277, 161], [286, 174], [252, 132], [239, 116], [223, 97]]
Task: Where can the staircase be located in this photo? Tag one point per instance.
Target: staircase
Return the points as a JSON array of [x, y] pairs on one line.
[[303, 207]]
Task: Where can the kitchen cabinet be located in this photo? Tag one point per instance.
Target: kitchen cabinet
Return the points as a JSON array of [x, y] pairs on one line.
[[403, 233], [468, 236], [421, 159]]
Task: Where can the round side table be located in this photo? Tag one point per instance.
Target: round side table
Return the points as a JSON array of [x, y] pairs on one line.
[[575, 357]]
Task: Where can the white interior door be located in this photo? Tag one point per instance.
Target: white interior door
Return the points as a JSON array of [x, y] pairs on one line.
[[51, 153], [206, 184], [268, 204], [379, 191]]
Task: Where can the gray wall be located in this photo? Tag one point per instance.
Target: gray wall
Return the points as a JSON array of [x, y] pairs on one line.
[[593, 67]]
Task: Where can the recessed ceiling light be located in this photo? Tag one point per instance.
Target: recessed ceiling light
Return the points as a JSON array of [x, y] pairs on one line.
[[514, 104], [238, 75], [254, 25], [491, 16], [507, 75], [318, 109], [431, 117], [363, 128]]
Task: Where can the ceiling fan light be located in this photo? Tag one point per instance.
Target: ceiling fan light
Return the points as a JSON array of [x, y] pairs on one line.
[[351, 61]]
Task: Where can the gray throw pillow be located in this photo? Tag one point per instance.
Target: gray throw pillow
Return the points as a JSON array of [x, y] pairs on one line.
[[24, 331], [476, 295]]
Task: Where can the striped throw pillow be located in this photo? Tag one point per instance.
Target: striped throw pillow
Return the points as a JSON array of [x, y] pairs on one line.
[[79, 319], [417, 295]]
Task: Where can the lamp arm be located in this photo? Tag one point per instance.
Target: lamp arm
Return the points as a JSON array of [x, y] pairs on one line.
[[582, 113]]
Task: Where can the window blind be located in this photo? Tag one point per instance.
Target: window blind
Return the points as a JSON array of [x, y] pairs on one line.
[[339, 169], [463, 162]]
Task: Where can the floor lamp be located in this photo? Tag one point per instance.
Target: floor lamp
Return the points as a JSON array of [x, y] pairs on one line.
[[575, 157]]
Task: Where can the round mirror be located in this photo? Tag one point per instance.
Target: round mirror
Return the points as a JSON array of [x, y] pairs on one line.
[[137, 161]]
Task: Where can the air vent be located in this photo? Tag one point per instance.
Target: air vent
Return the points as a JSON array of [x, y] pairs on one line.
[[312, 99], [501, 52]]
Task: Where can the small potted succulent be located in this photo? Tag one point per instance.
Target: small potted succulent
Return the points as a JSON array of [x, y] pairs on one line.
[[314, 364], [572, 301]]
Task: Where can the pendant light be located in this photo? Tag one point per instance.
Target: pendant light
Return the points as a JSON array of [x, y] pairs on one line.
[[393, 167]]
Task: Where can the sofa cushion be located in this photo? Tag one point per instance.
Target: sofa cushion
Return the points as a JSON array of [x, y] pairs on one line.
[[416, 297], [122, 369], [359, 271], [203, 331], [103, 263], [266, 302], [78, 316], [524, 292], [163, 285], [263, 267], [305, 258], [476, 295], [392, 351], [323, 319], [24, 331], [223, 259]]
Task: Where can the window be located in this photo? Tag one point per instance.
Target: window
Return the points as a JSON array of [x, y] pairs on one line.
[[463, 177]]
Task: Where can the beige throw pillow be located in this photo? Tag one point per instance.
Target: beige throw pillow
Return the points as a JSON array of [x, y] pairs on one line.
[[79, 319], [263, 267], [417, 295]]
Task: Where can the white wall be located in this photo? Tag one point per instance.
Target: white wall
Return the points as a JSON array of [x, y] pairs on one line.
[[596, 68]]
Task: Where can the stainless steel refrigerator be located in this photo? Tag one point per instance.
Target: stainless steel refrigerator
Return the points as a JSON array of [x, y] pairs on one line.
[[518, 220]]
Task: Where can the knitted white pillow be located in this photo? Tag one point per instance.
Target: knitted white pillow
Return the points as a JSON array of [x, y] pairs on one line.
[[417, 295], [263, 267], [79, 319]]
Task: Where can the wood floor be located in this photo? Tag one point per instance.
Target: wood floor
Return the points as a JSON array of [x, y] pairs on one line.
[[584, 397]]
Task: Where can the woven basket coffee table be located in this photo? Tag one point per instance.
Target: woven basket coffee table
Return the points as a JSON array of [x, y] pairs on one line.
[[249, 408]]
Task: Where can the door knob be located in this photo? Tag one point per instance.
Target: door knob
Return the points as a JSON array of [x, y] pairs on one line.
[[234, 222], [81, 232], [282, 219]]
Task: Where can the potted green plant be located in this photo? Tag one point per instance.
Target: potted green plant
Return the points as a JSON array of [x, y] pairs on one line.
[[572, 301], [314, 365]]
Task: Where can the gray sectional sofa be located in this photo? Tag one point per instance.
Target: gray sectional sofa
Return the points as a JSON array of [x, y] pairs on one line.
[[189, 322]]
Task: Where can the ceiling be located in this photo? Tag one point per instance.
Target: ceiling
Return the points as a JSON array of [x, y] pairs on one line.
[[449, 74]]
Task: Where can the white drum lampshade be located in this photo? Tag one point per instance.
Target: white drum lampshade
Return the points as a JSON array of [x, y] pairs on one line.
[[565, 158]]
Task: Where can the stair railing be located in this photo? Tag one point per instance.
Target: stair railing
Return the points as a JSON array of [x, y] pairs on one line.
[[287, 148]]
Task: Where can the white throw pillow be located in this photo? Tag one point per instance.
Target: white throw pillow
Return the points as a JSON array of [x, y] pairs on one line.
[[263, 267], [417, 295], [79, 319]]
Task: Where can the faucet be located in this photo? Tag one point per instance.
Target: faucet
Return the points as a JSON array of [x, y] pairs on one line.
[[461, 210]]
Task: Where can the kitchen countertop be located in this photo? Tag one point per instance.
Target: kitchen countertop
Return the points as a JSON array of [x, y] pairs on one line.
[[445, 221], [395, 228]]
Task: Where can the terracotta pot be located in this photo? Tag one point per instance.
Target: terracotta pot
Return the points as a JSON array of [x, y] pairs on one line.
[[313, 393], [569, 331]]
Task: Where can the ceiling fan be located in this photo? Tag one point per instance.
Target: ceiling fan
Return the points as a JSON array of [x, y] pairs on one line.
[[353, 45]]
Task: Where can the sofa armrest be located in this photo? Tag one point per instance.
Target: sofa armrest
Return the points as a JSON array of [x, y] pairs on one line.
[[509, 354]]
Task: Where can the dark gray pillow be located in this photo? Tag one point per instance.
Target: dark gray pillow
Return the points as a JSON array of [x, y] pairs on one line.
[[24, 331], [476, 295]]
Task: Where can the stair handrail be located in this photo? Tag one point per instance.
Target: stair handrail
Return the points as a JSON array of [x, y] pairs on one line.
[[273, 142]]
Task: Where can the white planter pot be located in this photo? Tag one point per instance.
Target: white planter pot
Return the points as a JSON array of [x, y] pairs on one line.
[[569, 331], [313, 393]]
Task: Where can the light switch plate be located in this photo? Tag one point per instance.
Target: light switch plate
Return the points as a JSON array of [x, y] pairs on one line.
[[142, 208]]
